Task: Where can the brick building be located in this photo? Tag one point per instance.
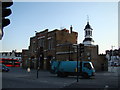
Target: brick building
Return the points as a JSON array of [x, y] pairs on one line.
[[43, 47], [62, 45], [91, 53], [25, 58]]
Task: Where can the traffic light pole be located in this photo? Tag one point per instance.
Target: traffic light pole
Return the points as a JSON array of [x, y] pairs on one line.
[[39, 58], [37, 72], [77, 68], [81, 54], [37, 54]]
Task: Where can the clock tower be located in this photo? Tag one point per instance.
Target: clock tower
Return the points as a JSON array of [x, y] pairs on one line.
[[88, 35]]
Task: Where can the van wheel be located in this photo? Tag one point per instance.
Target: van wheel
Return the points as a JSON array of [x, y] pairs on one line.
[[65, 74], [85, 75], [59, 74], [62, 74]]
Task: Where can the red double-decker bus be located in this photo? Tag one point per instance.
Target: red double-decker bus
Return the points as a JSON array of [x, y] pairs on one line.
[[10, 62]]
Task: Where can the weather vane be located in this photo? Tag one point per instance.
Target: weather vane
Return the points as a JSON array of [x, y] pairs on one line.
[[87, 18]]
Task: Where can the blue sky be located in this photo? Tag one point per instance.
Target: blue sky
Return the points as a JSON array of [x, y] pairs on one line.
[[28, 17]]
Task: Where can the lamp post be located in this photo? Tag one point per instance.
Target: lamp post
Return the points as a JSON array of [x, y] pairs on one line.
[[112, 59], [112, 52]]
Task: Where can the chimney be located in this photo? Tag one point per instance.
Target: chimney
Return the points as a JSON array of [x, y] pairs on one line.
[[71, 29]]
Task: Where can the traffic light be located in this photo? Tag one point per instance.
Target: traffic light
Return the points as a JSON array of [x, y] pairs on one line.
[[6, 11], [81, 48]]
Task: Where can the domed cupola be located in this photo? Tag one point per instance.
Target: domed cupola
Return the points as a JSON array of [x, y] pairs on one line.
[[88, 26], [88, 35]]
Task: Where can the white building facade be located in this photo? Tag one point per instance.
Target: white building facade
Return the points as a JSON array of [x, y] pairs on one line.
[[113, 57]]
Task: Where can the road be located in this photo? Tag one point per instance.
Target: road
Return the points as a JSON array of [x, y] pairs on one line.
[[20, 78], [101, 80]]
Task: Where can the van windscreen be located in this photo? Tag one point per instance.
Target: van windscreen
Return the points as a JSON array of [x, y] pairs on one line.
[[87, 65]]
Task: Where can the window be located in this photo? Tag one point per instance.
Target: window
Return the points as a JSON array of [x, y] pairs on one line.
[[42, 42], [88, 33], [50, 44]]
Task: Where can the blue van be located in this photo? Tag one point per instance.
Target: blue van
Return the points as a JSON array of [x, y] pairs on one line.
[[67, 68]]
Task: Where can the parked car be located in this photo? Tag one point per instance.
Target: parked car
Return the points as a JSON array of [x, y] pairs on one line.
[[4, 68]]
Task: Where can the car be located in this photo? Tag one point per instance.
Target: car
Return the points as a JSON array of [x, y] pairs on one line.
[[4, 68]]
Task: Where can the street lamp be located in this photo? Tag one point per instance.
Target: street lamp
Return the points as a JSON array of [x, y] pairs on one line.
[[112, 53]]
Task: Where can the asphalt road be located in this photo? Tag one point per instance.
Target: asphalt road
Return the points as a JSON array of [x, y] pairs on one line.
[[20, 78], [101, 80]]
